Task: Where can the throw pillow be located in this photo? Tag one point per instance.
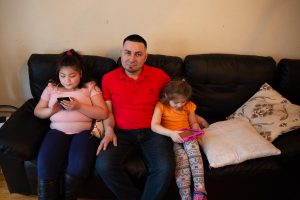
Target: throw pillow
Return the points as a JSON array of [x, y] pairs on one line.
[[270, 113], [234, 141]]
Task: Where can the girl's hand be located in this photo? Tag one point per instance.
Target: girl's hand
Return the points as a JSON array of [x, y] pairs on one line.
[[55, 108], [196, 126], [70, 105], [176, 137]]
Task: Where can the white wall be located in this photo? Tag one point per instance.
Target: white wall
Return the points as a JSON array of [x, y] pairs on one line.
[[171, 27]]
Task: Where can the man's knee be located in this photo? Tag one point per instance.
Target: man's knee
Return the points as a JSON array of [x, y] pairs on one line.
[[102, 166]]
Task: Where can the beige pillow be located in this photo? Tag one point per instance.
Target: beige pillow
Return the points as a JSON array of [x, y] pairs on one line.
[[270, 113], [234, 141]]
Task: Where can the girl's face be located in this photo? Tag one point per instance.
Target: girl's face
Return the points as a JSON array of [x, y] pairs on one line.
[[178, 102], [69, 77]]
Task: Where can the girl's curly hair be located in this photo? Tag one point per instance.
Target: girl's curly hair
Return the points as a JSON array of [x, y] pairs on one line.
[[175, 88]]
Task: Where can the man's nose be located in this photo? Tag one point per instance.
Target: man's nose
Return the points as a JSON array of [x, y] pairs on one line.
[[132, 58]]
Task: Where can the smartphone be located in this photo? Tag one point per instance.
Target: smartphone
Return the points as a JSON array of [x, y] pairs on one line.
[[60, 99], [189, 134]]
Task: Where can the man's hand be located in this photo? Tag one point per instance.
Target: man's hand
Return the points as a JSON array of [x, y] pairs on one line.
[[109, 136]]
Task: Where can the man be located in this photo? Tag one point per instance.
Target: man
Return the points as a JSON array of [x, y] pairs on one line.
[[131, 93]]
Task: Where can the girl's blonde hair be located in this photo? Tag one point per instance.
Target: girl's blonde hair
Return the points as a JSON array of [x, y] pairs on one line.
[[175, 88]]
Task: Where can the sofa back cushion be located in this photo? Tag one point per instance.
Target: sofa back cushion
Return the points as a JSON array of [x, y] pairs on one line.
[[287, 79], [42, 67], [223, 82], [172, 65]]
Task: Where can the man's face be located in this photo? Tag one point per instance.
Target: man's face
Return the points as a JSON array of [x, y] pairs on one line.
[[133, 57]]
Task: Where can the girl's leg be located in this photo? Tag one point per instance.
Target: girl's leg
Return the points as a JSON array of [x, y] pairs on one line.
[[52, 154], [195, 159], [82, 156], [182, 172], [51, 157]]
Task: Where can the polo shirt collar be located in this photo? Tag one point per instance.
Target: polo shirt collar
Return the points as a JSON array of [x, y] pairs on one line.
[[144, 73]]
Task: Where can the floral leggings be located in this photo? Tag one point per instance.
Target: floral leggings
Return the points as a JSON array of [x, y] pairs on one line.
[[188, 162]]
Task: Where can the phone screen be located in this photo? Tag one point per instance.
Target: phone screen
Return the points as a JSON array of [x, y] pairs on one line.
[[186, 133], [59, 99]]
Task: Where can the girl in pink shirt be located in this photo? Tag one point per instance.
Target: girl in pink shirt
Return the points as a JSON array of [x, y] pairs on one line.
[[172, 113], [68, 142]]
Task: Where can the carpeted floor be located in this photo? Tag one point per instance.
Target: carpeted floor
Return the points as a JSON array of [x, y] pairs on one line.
[[5, 195]]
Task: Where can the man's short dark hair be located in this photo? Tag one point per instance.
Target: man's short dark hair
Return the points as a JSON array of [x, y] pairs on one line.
[[135, 38]]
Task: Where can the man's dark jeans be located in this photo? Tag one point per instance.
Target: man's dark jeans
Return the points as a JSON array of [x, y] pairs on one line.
[[157, 153]]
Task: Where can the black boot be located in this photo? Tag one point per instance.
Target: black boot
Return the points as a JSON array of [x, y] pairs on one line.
[[71, 185], [47, 190]]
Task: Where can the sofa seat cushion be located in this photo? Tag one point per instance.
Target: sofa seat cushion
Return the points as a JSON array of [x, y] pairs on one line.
[[288, 143], [249, 168]]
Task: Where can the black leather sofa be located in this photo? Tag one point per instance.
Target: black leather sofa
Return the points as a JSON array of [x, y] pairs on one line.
[[221, 84]]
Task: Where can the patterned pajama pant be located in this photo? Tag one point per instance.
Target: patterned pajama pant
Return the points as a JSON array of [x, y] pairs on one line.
[[188, 162]]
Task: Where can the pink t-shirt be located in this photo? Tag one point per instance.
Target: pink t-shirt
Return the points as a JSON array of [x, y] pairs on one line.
[[70, 122]]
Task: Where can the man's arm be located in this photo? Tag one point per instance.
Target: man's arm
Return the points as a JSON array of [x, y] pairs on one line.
[[109, 134]]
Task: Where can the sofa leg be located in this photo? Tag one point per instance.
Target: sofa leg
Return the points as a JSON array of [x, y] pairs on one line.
[[71, 185], [48, 190]]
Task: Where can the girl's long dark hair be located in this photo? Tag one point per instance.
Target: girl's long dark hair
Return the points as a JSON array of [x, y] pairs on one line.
[[72, 59]]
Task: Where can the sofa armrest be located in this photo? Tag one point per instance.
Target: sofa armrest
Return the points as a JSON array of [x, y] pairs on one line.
[[22, 133]]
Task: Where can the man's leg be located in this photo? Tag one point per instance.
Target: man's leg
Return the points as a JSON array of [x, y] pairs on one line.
[[159, 159], [110, 165]]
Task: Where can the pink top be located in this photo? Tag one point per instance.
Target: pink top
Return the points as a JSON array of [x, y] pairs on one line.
[[70, 122]]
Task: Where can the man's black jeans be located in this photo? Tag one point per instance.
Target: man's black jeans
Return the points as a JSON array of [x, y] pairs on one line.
[[156, 151]]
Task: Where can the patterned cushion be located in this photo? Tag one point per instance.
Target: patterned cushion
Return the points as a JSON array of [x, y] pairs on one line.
[[270, 113]]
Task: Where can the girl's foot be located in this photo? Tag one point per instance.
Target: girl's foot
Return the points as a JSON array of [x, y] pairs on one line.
[[199, 195]]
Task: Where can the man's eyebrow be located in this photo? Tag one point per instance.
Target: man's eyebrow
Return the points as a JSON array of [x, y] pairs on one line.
[[136, 52]]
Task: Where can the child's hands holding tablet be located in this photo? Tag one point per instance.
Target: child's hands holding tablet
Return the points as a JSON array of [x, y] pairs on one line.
[[189, 134]]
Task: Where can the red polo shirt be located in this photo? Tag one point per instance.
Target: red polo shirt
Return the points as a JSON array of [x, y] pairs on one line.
[[133, 101]]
